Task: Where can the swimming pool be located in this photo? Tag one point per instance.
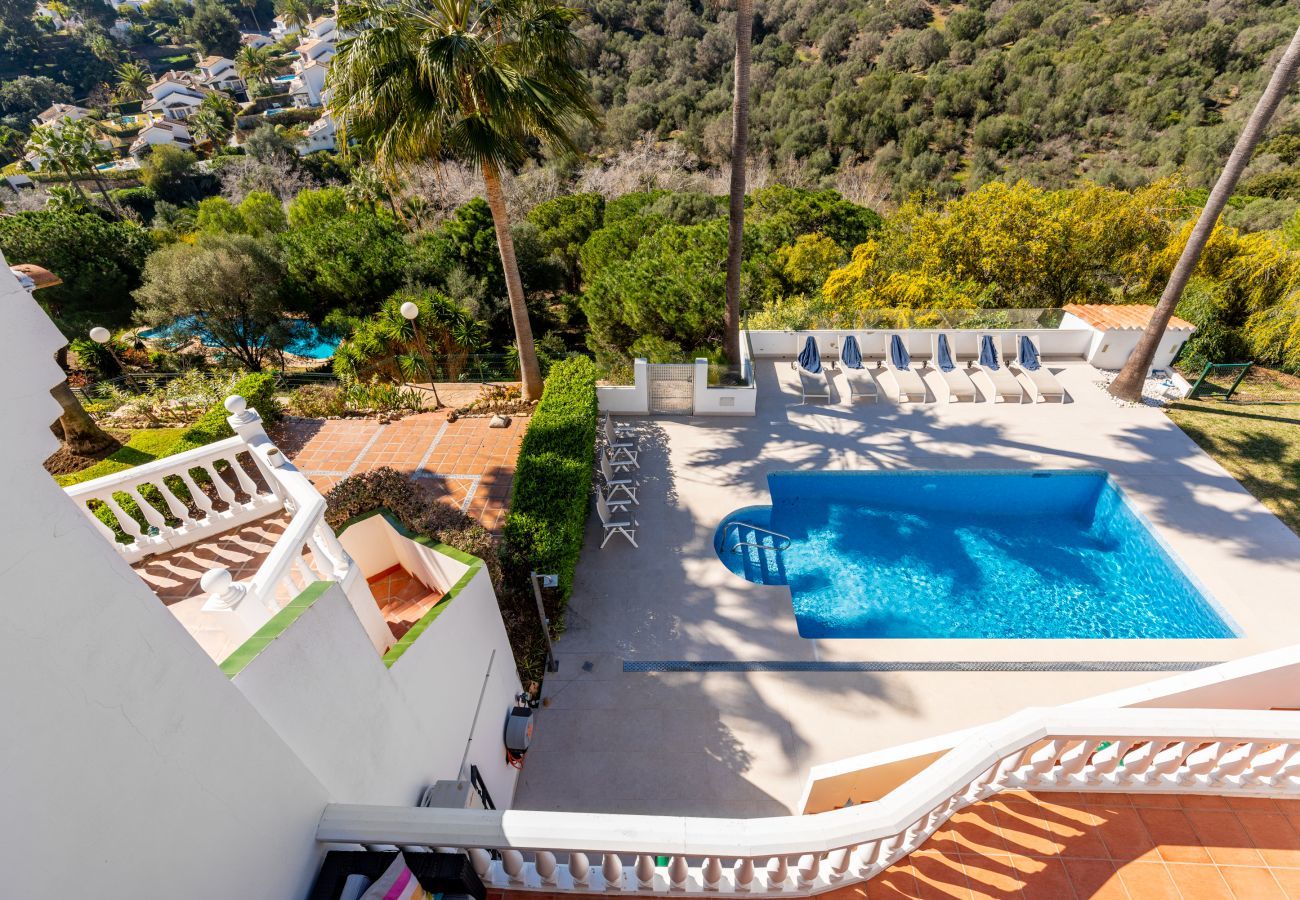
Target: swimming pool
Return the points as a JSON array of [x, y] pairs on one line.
[[1045, 554], [304, 338]]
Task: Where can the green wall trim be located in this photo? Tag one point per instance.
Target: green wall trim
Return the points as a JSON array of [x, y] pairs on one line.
[[475, 564], [248, 651]]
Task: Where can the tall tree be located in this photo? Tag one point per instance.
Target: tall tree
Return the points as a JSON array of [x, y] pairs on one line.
[[470, 80], [75, 426], [132, 82], [739, 155], [1128, 384]]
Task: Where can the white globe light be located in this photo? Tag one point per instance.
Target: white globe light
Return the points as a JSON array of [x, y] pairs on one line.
[[410, 310], [100, 335]]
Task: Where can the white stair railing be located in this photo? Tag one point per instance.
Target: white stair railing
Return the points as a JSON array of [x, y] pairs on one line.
[[1204, 751]]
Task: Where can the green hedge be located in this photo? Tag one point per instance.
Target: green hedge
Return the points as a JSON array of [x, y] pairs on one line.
[[552, 486]]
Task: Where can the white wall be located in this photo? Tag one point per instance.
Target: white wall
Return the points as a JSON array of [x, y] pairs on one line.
[[1111, 349], [128, 758], [627, 400], [721, 401], [374, 734]]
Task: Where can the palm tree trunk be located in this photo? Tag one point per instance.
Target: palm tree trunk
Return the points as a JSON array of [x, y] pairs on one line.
[[1128, 384], [80, 433], [103, 192], [739, 155], [529, 370]]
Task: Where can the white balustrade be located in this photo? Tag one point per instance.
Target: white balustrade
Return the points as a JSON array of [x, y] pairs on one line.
[[223, 496], [192, 514], [1211, 751]]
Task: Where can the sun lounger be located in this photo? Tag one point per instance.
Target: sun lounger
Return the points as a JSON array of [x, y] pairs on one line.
[[813, 380], [1043, 385], [862, 384], [953, 376], [898, 365], [1003, 386]]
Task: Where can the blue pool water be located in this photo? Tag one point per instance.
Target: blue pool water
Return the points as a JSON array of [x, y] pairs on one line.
[[966, 555], [304, 339]]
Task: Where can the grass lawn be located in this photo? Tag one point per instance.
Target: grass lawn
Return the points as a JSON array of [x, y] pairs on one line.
[[1259, 443], [144, 445]]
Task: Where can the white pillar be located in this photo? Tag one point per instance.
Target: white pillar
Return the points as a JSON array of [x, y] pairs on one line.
[[225, 595]]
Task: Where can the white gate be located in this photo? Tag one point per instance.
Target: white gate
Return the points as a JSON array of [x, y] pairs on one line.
[[672, 388]]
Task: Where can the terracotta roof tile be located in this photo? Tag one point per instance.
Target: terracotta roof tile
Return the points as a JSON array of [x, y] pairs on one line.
[[1121, 316]]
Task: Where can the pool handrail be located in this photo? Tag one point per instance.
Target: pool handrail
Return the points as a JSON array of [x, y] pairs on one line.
[[776, 534]]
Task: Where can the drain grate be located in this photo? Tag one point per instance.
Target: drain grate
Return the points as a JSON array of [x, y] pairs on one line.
[[1106, 665]]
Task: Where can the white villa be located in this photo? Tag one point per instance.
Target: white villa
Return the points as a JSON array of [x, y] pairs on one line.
[[160, 133], [176, 95], [218, 72], [53, 118], [308, 85], [320, 135], [272, 736], [282, 28], [255, 39], [315, 50]]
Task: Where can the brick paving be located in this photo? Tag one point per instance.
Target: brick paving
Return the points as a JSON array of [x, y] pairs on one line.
[[466, 463], [1060, 846]]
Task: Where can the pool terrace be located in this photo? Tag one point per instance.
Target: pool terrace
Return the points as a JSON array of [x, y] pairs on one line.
[[738, 740]]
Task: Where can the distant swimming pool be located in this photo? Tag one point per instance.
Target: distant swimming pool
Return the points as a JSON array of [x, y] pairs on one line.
[[304, 339], [1052, 554]]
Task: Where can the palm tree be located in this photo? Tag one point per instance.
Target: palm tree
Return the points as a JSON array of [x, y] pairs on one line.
[[208, 126], [251, 6], [295, 12], [132, 82], [739, 154], [470, 80], [1128, 384], [254, 63], [56, 151], [75, 426], [81, 145]]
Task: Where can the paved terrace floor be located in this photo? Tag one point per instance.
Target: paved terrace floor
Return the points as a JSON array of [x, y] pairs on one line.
[[1063, 846], [741, 743]]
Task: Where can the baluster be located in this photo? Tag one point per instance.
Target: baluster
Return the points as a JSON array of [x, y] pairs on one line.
[[1138, 761], [219, 484], [1169, 760], [1042, 762], [127, 522], [1268, 763], [1106, 761], [863, 860], [198, 496], [1199, 762], [481, 860], [809, 868], [151, 515], [678, 872], [711, 873], [334, 549], [512, 862], [888, 850], [103, 529], [838, 861], [1234, 762], [744, 874], [645, 871], [304, 569], [320, 560], [579, 869], [246, 484], [778, 868], [612, 868], [1290, 769], [1073, 761], [174, 505], [545, 866]]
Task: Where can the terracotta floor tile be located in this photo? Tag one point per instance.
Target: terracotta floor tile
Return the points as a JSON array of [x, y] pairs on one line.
[[1174, 836], [1094, 878], [991, 875], [938, 875], [1202, 801], [1044, 878], [1148, 881], [1251, 882], [1026, 828], [893, 883], [1273, 836], [1253, 804], [1124, 833], [1197, 882], [976, 829], [1289, 881], [1221, 834]]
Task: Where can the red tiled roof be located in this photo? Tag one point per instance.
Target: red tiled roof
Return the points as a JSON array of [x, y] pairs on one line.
[[1121, 316], [41, 277]]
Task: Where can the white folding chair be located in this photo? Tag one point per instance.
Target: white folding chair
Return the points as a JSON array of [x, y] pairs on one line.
[[624, 526], [618, 483], [622, 452], [619, 430]]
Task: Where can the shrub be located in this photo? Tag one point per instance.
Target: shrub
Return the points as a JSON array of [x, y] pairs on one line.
[[258, 388], [318, 401], [549, 501], [416, 508]]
